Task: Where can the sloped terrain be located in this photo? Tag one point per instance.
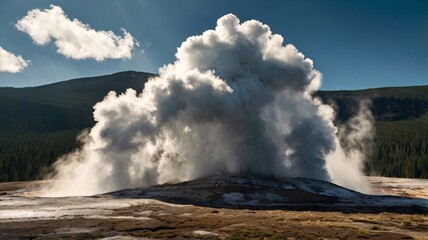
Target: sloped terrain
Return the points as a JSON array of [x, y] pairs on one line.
[[388, 104], [62, 105], [128, 214], [39, 124], [270, 193]]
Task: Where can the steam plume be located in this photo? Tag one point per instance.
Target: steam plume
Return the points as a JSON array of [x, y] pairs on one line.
[[346, 164], [236, 100]]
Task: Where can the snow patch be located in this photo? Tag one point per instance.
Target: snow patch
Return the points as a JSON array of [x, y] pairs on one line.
[[204, 233], [233, 197], [289, 187], [120, 237], [268, 196], [145, 213], [336, 192], [71, 230]]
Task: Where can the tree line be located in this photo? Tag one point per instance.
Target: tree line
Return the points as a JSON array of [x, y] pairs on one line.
[[400, 149]]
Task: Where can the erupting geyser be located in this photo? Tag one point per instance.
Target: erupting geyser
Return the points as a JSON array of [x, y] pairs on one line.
[[235, 101]]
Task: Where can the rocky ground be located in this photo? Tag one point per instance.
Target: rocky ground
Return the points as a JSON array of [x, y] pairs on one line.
[[25, 216]]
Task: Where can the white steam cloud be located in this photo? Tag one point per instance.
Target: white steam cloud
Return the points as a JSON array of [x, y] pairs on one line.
[[73, 38], [236, 100], [346, 163], [11, 63]]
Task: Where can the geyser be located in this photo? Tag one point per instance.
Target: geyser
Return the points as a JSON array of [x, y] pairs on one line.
[[235, 101]]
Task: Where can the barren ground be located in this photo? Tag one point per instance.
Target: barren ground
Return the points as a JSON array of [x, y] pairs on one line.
[[23, 216]]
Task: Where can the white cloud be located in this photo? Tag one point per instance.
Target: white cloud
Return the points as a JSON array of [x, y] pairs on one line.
[[10, 62], [73, 38]]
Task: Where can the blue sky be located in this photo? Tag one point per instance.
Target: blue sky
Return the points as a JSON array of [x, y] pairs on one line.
[[355, 44]]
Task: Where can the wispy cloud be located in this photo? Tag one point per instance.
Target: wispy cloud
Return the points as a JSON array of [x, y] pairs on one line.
[[11, 63], [73, 38]]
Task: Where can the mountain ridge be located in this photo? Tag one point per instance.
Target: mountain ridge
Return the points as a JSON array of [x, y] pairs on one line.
[[425, 86]]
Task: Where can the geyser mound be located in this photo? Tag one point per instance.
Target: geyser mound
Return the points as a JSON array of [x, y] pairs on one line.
[[251, 192], [235, 101]]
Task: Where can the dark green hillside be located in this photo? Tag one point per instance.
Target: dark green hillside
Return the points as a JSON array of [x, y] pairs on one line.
[[77, 92], [64, 105], [401, 140], [401, 149], [39, 124], [389, 104], [27, 155]]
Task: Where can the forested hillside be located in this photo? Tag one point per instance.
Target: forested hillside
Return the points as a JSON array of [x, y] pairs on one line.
[[39, 124], [401, 140]]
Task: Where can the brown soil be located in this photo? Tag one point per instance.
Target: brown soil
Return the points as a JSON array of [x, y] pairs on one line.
[[158, 220]]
